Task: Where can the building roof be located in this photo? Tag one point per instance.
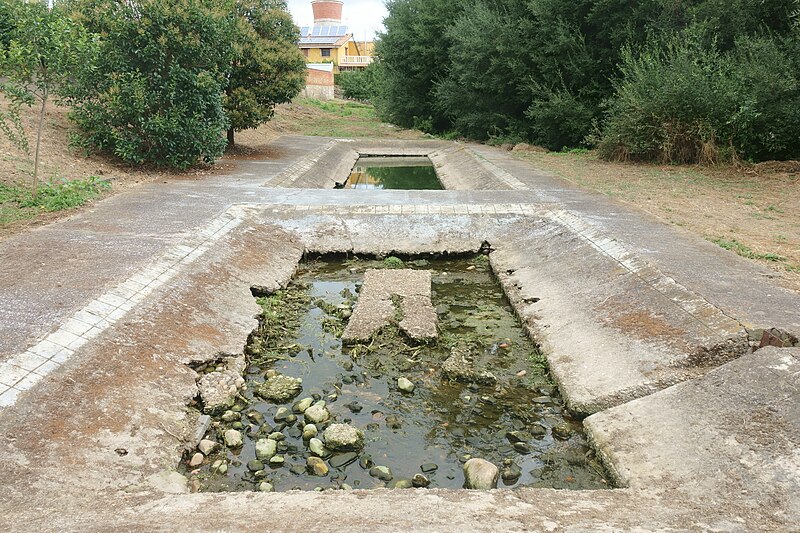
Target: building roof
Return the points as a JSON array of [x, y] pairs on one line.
[[324, 42], [325, 67], [323, 31]]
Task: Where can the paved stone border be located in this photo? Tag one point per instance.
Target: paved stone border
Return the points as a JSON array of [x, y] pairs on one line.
[[457, 166], [22, 371], [499, 173], [294, 171]]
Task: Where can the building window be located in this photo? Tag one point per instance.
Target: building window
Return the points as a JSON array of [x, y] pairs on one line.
[[305, 52], [326, 52]]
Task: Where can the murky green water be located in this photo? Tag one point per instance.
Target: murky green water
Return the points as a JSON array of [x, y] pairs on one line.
[[415, 173], [441, 424]]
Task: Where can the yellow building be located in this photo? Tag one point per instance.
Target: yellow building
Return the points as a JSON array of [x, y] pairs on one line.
[[328, 41]]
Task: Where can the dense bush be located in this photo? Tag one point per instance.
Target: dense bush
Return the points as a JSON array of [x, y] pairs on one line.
[[548, 71], [268, 68], [683, 102], [359, 84], [154, 94]]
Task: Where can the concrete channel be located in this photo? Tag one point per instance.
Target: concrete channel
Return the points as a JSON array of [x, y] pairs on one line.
[[659, 338]]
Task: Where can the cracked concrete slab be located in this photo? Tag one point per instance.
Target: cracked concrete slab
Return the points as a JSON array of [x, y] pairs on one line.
[[388, 292], [730, 436], [625, 308]]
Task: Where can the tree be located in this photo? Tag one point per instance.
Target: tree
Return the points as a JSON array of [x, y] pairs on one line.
[[155, 93], [268, 68], [39, 51], [412, 59]]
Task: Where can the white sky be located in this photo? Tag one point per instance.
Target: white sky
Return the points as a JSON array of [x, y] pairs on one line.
[[362, 16]]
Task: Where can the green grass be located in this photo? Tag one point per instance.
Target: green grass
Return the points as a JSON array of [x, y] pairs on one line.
[[344, 109], [745, 251], [18, 203]]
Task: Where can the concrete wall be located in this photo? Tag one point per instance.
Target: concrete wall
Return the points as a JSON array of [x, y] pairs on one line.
[[320, 92], [319, 84]]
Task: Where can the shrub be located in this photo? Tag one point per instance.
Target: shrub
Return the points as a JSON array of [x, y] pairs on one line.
[[684, 102], [155, 93], [359, 85]]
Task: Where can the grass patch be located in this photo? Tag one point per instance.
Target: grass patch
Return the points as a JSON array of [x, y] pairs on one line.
[[338, 118], [745, 251], [18, 203], [344, 108]]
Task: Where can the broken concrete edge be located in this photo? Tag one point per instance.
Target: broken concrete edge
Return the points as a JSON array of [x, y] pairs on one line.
[[757, 427]]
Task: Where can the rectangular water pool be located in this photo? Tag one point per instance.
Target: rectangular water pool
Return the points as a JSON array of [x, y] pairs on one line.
[[379, 172]]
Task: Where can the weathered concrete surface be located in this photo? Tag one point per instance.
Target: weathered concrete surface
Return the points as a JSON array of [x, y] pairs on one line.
[[660, 305], [127, 390], [376, 308], [732, 436]]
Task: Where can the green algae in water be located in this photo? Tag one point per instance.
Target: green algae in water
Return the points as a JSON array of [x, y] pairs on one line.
[[442, 423], [408, 173]]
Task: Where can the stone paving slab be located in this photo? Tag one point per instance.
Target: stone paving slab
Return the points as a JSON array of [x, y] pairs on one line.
[[733, 433], [376, 308]]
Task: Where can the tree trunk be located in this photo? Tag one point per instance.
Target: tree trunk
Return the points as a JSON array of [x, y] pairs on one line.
[[230, 137], [38, 144]]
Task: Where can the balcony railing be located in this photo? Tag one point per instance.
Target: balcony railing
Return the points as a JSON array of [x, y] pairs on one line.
[[356, 61]]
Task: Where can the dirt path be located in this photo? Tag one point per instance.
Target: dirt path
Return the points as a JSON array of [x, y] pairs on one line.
[[752, 211]]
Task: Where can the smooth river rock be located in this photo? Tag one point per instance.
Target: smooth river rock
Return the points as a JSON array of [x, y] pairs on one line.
[[317, 466], [480, 474], [405, 385], [233, 438], [265, 449], [317, 413]]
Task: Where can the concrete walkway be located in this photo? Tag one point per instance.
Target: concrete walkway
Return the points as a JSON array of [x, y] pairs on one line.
[[99, 313]]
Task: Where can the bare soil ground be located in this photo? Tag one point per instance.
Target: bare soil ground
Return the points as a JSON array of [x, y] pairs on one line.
[[751, 210], [60, 161]]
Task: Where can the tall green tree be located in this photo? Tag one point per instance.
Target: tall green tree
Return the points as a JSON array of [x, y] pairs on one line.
[[413, 55], [268, 67], [41, 49]]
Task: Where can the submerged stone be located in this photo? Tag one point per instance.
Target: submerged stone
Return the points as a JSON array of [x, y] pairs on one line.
[[420, 481], [343, 459], [460, 367], [255, 465], [317, 466], [384, 473], [343, 437], [280, 388]]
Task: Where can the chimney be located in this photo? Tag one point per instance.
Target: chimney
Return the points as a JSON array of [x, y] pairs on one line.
[[327, 12]]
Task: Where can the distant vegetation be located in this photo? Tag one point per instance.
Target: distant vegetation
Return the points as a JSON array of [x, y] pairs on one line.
[[656, 80], [156, 82]]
